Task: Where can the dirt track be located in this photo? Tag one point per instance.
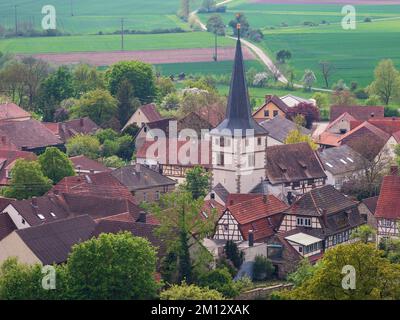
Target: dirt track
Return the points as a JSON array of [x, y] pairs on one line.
[[153, 57]]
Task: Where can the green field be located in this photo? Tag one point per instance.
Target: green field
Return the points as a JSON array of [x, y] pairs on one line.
[[204, 68], [111, 43], [355, 53], [92, 16]]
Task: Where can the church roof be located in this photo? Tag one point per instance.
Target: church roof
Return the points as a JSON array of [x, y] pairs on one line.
[[238, 112]]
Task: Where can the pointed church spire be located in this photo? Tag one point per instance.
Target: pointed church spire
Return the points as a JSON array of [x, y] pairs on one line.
[[238, 112]]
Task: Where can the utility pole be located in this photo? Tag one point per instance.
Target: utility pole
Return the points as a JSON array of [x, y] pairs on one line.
[[122, 34], [16, 20], [72, 9], [216, 47]]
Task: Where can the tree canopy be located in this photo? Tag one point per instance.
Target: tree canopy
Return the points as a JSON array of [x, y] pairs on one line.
[[55, 164]]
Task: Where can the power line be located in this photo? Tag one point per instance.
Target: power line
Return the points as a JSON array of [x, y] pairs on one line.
[[122, 34]]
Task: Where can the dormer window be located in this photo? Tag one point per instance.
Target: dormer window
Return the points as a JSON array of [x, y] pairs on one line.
[[40, 216], [52, 214]]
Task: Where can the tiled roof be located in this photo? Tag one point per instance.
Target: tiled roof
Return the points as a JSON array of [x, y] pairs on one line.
[[7, 160], [102, 184], [258, 215], [136, 177], [67, 129], [388, 125], [6, 225], [209, 207], [343, 117], [371, 203], [221, 191], [341, 160], [366, 133], [213, 114], [279, 127], [29, 134], [276, 101], [329, 139], [358, 112], [10, 111], [292, 162], [236, 198], [86, 164], [316, 201], [52, 242], [150, 111], [388, 205]]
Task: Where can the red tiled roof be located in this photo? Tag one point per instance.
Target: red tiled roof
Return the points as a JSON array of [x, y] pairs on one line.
[[252, 210], [371, 203], [10, 111], [213, 114], [7, 160], [358, 112], [102, 184], [329, 139], [29, 134], [389, 125], [235, 198], [388, 205], [212, 205], [86, 164], [68, 129], [150, 111]]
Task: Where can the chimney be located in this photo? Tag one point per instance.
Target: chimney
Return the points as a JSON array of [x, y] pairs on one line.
[[137, 167], [142, 217], [394, 170], [265, 190], [268, 97], [289, 198], [372, 114], [325, 216], [34, 202], [251, 238]]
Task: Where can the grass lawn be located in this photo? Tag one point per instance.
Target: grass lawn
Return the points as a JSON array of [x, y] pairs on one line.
[[204, 68], [92, 16], [111, 43]]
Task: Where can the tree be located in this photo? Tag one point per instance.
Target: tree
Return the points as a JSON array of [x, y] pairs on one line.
[[127, 103], [27, 180], [24, 282], [113, 266], [216, 25], [327, 69], [244, 25], [387, 81], [307, 110], [139, 74], [309, 79], [391, 249], [12, 80], [375, 276], [295, 136], [321, 100], [85, 145], [98, 105], [86, 78], [190, 292], [283, 55], [233, 253], [164, 86], [197, 182], [183, 229], [262, 268], [54, 89], [220, 280], [113, 162], [304, 271], [171, 101], [343, 98], [373, 100], [55, 164], [261, 80], [364, 233]]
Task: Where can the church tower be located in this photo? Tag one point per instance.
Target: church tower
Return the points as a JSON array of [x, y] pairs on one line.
[[239, 143]]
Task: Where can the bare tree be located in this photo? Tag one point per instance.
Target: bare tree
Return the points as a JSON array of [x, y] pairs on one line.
[[327, 69]]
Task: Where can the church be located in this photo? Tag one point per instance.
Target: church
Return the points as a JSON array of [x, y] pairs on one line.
[[238, 143]]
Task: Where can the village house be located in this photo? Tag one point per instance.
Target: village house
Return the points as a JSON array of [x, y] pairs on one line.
[[292, 170], [291, 100], [272, 107], [28, 135], [51, 243], [67, 129], [367, 208], [144, 114], [362, 113], [279, 128], [342, 163], [7, 162], [84, 165], [11, 112], [145, 184], [218, 194], [387, 212]]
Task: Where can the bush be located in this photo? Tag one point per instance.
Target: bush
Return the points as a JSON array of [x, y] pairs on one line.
[[361, 94], [220, 280], [262, 268], [233, 254], [190, 292]]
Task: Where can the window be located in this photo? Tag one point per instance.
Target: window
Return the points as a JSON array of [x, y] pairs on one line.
[[41, 217], [226, 227], [212, 196], [259, 141], [157, 195], [144, 196], [275, 113], [304, 222], [266, 113], [300, 249], [246, 142], [251, 160], [52, 214], [220, 159]]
